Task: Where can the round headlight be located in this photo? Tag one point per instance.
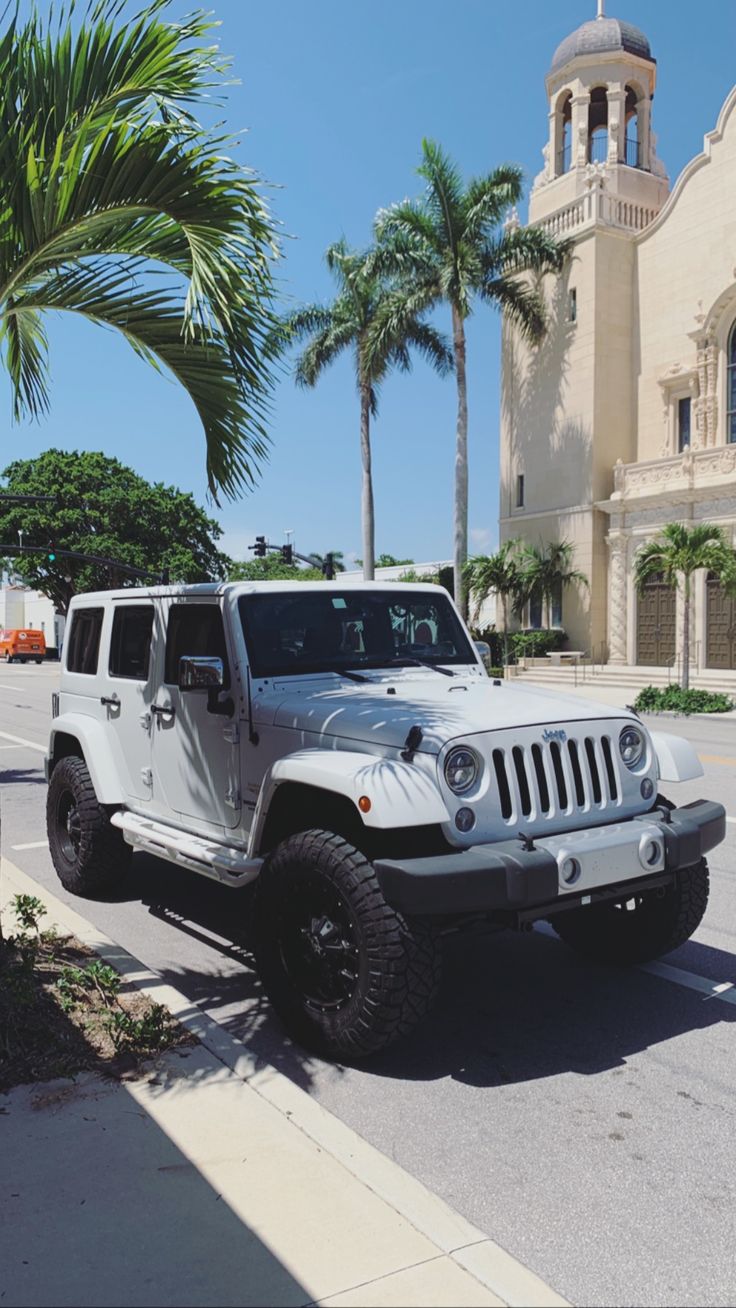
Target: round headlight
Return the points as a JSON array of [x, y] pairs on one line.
[[462, 768], [631, 744]]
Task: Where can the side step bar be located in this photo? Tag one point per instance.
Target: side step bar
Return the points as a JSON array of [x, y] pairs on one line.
[[230, 867]]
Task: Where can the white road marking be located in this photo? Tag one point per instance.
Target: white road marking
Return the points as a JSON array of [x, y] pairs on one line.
[[21, 740], [724, 990], [32, 844], [10, 746], [732, 820]]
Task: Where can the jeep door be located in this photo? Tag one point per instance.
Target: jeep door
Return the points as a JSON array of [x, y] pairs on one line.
[[128, 690], [195, 752]]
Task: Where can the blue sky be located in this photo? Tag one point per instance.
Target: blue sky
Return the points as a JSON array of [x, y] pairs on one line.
[[335, 98]]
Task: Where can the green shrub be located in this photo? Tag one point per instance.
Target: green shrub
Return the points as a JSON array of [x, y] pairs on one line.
[[496, 672], [535, 644], [658, 699]]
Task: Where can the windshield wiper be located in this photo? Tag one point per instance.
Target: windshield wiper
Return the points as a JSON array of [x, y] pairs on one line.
[[407, 662], [351, 676]]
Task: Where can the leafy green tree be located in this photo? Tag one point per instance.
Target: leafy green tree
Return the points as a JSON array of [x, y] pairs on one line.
[[495, 574], [675, 555], [272, 568], [545, 571], [103, 508], [449, 247], [338, 564], [380, 328], [117, 205]]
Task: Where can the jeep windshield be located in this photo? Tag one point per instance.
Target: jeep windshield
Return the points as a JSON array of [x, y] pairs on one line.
[[350, 630]]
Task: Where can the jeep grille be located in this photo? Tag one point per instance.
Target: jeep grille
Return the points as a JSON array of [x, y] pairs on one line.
[[559, 777]]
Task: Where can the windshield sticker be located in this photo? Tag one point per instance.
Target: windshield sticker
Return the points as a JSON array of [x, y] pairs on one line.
[[339, 603]]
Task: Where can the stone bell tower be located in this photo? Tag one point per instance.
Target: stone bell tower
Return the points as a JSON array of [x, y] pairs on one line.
[[568, 405]]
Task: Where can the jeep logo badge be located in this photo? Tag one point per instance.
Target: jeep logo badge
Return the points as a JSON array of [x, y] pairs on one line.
[[558, 734]]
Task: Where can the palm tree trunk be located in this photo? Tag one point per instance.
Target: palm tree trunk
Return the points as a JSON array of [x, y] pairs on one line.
[[366, 497], [505, 611], [686, 637], [461, 463]]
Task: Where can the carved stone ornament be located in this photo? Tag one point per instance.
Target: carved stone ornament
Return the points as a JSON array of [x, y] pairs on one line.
[[617, 574]]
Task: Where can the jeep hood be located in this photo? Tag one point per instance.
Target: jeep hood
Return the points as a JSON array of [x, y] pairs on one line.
[[445, 709]]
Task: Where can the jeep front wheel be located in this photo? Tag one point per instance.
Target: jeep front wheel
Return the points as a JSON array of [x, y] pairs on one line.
[[90, 855], [642, 927], [346, 973]]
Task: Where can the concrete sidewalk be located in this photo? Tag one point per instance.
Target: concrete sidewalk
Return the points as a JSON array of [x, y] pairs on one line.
[[213, 1181]]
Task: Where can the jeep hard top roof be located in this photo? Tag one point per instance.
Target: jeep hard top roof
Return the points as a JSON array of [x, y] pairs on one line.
[[213, 588]]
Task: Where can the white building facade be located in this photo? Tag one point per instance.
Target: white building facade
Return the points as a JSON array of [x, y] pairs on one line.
[[624, 418]]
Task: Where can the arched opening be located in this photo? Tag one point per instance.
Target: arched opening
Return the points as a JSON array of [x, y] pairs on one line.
[[633, 134], [731, 393], [564, 135], [598, 126]]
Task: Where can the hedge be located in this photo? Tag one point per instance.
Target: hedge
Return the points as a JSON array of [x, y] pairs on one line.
[[656, 699]]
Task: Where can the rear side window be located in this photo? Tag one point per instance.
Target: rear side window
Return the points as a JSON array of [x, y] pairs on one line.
[[83, 641], [194, 629], [130, 644]]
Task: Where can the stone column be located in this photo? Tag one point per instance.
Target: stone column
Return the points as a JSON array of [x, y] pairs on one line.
[[580, 112], [616, 95], [644, 110], [617, 544]]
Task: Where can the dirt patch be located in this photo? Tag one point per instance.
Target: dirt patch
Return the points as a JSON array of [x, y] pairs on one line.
[[63, 1011]]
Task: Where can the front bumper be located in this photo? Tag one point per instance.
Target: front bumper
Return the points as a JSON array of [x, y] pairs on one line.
[[508, 877]]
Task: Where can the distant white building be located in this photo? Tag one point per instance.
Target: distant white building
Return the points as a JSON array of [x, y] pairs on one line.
[[20, 607], [487, 616]]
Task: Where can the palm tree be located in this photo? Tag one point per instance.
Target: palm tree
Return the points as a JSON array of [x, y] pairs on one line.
[[378, 325], [675, 554], [448, 248], [545, 571], [338, 560], [495, 574], [116, 205]]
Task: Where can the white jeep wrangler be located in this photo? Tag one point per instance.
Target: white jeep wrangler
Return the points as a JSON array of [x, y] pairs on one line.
[[342, 747]]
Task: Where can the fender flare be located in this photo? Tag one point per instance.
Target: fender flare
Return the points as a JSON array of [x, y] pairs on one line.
[[94, 744], [401, 794], [676, 758]]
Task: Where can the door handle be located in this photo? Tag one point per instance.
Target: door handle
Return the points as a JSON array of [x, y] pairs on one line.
[[163, 710], [112, 701]]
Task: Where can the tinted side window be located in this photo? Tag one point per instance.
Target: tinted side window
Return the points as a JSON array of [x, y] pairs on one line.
[[83, 641], [130, 644], [194, 629]]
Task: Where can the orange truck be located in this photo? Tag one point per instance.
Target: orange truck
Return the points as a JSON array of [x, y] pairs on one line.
[[22, 644]]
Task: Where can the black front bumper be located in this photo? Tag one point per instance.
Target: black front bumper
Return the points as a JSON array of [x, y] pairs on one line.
[[507, 877]]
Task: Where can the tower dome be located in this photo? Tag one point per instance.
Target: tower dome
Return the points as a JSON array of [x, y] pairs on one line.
[[602, 36]]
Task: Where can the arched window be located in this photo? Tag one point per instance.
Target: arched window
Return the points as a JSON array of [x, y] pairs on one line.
[[731, 401], [633, 143], [598, 126], [564, 158]]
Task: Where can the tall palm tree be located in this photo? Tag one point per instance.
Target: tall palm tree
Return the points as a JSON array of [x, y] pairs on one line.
[[377, 323], [546, 570], [116, 205], [676, 554], [449, 248], [495, 574]]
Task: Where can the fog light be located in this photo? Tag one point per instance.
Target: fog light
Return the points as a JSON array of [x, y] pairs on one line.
[[650, 853], [465, 819], [570, 871], [647, 788]]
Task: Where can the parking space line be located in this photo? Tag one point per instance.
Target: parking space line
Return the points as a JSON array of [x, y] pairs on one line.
[[722, 759], [32, 844], [724, 990], [21, 740]]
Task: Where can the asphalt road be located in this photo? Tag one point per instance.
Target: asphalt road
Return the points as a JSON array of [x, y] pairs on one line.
[[583, 1116]]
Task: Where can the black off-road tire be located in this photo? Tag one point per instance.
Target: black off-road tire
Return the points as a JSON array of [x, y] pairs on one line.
[[90, 856], [655, 923], [377, 973]]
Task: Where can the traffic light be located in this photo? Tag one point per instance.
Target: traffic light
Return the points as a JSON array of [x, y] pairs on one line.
[[287, 553], [259, 549], [328, 567], [50, 553]]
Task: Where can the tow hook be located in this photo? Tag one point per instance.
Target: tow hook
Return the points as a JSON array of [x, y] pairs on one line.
[[527, 842]]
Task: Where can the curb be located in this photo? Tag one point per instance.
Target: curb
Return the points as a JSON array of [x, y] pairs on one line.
[[454, 1236]]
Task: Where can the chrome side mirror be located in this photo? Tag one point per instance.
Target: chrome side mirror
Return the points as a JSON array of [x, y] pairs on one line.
[[199, 672]]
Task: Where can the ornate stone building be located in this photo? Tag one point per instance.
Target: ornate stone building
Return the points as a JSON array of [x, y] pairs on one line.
[[624, 418]]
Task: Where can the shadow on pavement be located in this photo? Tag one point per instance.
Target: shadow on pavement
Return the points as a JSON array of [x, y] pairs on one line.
[[512, 1008]]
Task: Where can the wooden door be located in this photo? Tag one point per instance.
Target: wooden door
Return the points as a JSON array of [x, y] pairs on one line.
[[720, 627], [656, 625]]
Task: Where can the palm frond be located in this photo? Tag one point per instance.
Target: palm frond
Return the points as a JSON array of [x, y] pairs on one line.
[[526, 249], [488, 198], [444, 197], [223, 374], [25, 344], [522, 304]]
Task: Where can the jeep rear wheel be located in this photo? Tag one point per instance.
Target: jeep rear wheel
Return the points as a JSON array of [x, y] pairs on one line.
[[345, 972], [89, 855], [642, 927]]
